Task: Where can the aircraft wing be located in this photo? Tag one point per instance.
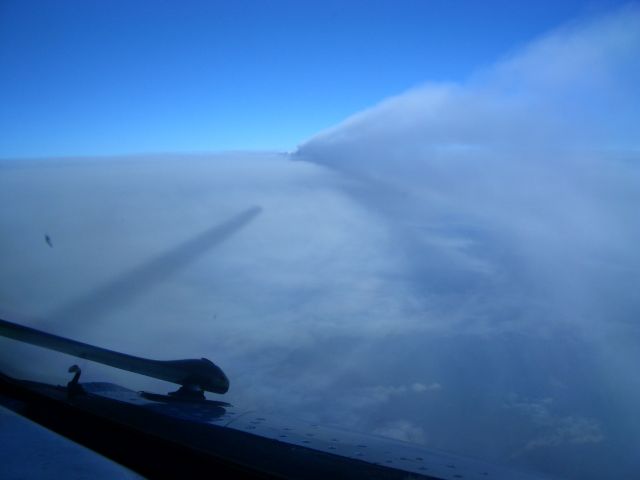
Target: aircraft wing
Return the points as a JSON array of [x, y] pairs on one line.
[[161, 439]]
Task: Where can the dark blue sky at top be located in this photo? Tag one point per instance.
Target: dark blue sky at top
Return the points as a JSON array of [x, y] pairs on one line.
[[109, 77]]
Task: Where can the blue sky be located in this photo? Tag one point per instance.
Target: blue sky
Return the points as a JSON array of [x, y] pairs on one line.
[[102, 78]]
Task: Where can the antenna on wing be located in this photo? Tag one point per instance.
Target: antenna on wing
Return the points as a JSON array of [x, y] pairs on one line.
[[193, 375]]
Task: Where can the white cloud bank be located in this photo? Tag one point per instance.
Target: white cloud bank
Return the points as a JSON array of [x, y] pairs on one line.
[[516, 193], [515, 198]]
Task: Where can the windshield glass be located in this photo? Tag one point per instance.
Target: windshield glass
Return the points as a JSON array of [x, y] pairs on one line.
[[415, 220]]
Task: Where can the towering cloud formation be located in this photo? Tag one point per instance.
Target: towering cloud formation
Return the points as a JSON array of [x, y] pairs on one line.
[[576, 87], [515, 199], [528, 173]]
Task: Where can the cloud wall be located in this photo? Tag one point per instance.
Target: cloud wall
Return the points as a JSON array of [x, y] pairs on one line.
[[527, 173], [514, 199]]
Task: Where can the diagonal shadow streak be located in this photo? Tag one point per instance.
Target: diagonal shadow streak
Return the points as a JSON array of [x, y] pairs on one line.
[[127, 286]]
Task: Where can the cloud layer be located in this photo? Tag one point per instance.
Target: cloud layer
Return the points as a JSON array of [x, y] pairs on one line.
[[462, 275]]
